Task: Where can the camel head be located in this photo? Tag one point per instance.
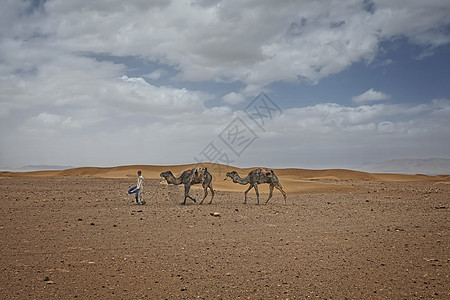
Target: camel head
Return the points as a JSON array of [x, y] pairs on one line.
[[166, 174], [232, 175]]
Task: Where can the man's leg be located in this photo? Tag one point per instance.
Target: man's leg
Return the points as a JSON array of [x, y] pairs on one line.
[[141, 197], [135, 191], [137, 195]]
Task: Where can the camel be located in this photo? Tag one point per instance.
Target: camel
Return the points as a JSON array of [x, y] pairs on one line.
[[190, 177], [256, 177]]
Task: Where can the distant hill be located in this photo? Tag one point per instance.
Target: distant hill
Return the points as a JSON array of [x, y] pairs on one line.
[[430, 166], [295, 178], [32, 168]]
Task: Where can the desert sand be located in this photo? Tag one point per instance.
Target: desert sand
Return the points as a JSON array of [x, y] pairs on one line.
[[342, 234]]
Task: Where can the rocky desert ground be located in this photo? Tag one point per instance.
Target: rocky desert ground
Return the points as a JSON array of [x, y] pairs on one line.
[[341, 235]]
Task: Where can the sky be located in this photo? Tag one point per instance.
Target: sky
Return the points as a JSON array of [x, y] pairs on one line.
[[303, 84]]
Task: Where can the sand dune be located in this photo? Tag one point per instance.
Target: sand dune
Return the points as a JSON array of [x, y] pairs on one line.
[[293, 180]]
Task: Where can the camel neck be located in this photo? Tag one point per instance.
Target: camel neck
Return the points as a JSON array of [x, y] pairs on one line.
[[173, 180], [240, 180]]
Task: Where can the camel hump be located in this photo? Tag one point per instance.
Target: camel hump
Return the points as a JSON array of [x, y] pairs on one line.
[[264, 171], [197, 173], [199, 170]]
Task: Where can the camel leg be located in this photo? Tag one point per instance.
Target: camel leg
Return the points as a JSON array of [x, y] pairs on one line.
[[280, 188], [212, 192], [245, 193], [270, 192], [186, 194], [205, 192], [257, 194], [186, 191]]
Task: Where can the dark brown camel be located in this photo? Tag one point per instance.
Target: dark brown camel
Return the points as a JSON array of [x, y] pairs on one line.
[[256, 177], [191, 177]]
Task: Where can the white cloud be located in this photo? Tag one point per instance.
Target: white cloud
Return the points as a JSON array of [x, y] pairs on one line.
[[75, 81], [370, 96], [51, 120], [421, 22], [233, 98], [139, 95], [332, 118], [332, 135], [66, 122]]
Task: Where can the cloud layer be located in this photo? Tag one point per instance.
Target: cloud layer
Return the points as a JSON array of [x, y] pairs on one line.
[[63, 93], [255, 42]]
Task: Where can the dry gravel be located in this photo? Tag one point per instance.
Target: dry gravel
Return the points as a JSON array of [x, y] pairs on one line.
[[80, 237]]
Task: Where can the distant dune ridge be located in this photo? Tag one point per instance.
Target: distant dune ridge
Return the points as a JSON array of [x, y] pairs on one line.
[[293, 180], [429, 166], [32, 168]]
